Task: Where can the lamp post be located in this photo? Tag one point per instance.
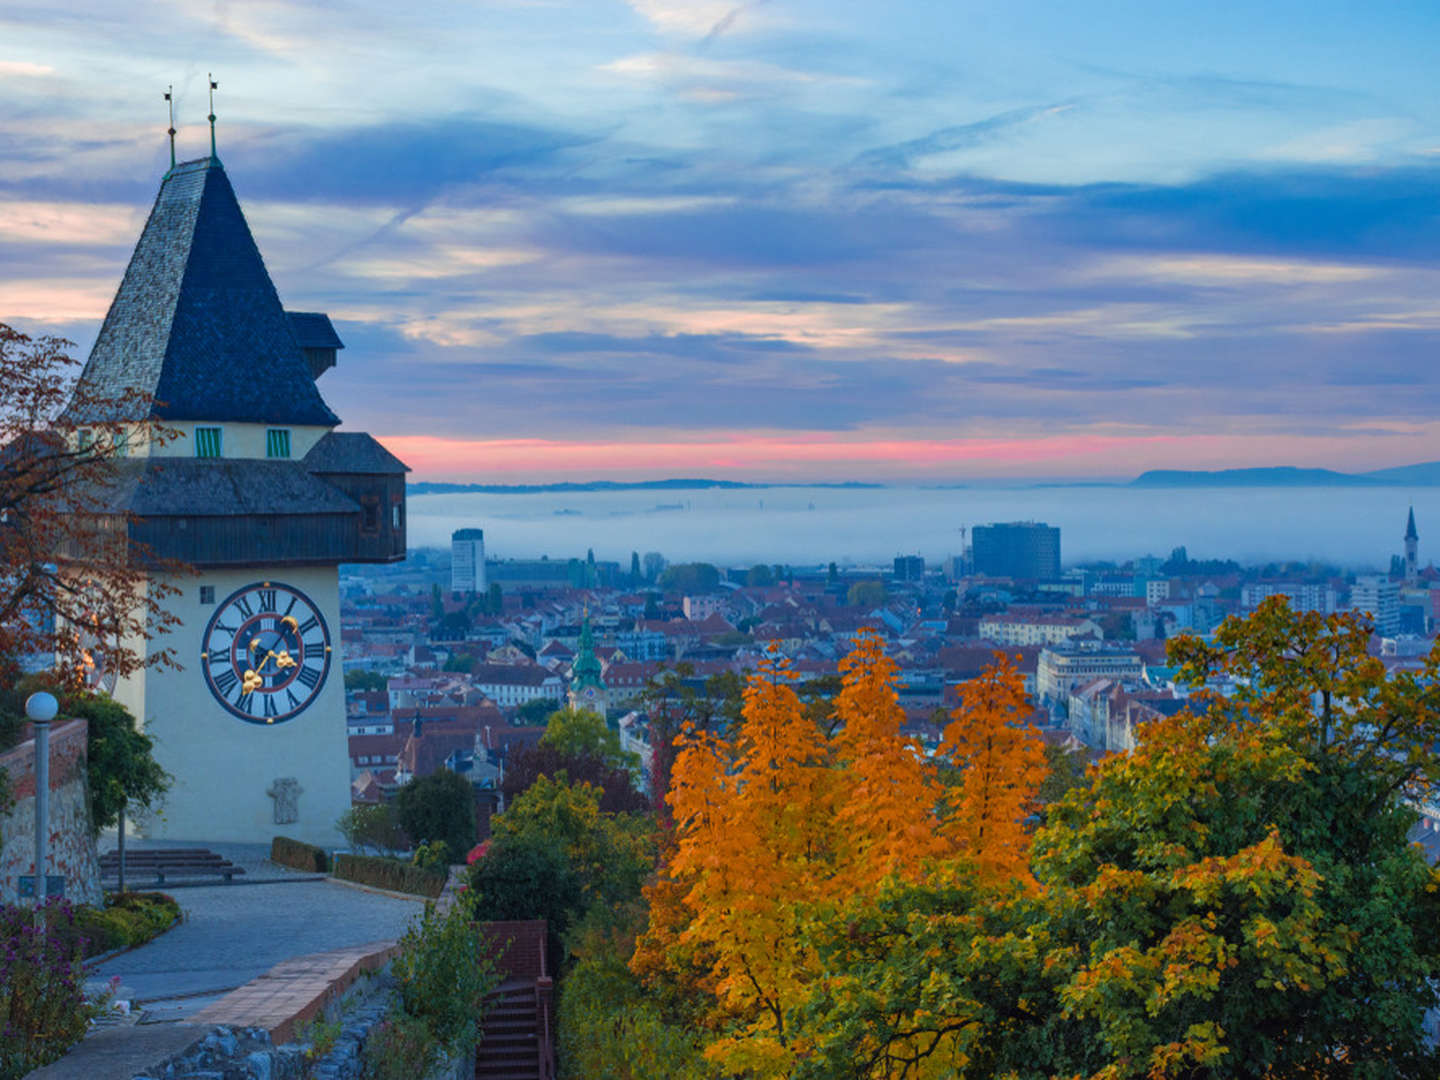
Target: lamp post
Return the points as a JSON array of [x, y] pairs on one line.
[[41, 709]]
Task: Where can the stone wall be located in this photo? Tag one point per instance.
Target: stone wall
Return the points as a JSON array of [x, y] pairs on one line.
[[72, 847]]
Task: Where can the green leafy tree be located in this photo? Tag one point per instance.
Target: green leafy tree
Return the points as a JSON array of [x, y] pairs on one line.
[[690, 578], [459, 662], [582, 733], [611, 1027], [867, 594], [759, 576], [612, 854], [525, 880], [373, 828], [535, 711], [438, 808], [1065, 771], [360, 679], [121, 769], [555, 855]]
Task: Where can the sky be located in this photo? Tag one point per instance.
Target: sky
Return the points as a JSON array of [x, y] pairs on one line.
[[783, 239]]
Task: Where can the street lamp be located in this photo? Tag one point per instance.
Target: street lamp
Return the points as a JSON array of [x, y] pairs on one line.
[[41, 709]]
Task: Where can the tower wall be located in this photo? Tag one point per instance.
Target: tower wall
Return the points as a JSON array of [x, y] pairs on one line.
[[224, 768]]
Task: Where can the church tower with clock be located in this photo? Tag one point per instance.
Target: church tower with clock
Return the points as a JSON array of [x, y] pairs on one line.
[[258, 494]]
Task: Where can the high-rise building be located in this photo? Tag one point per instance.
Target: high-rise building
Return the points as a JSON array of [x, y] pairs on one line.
[[1379, 597], [1019, 549], [467, 561], [909, 568]]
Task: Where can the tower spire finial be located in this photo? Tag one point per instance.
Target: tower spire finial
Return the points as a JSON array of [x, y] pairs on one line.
[[170, 100], [213, 87]]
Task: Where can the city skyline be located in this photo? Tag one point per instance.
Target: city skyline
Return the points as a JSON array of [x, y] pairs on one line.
[[783, 240]]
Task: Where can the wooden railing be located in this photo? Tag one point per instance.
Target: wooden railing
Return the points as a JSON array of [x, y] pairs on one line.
[[544, 1000]]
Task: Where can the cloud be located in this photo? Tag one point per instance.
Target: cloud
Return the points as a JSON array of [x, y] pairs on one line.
[[24, 69], [956, 137]]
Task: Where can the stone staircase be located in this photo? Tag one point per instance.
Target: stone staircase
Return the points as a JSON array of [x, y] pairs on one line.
[[510, 1044]]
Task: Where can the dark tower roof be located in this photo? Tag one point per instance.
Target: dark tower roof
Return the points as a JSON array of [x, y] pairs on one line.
[[196, 324], [1410, 533]]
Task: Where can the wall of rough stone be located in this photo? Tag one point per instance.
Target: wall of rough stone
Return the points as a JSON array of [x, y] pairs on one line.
[[72, 848]]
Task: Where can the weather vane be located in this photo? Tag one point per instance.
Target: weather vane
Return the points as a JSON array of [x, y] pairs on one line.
[[170, 99], [213, 87]]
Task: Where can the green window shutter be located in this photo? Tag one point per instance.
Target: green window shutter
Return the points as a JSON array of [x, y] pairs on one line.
[[277, 443], [207, 442]]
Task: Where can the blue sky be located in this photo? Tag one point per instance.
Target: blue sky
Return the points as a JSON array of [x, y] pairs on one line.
[[784, 239]]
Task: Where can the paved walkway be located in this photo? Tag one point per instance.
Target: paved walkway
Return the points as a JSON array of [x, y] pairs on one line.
[[233, 933]]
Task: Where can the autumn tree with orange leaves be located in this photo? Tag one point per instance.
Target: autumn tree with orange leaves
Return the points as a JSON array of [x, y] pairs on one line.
[[1001, 762], [790, 819]]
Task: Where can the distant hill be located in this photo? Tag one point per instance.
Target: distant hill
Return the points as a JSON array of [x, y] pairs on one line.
[[428, 487], [1427, 472], [1424, 474], [1279, 476]]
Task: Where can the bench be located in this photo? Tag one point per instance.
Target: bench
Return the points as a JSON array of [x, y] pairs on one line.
[[176, 862]]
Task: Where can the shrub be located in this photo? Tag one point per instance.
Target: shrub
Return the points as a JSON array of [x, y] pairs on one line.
[[43, 1011], [444, 975], [443, 980], [610, 1028], [440, 806], [126, 920], [300, 856], [400, 1048], [373, 828], [432, 856], [389, 874]]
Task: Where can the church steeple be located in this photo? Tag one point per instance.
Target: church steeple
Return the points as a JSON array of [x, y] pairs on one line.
[[1412, 554], [587, 688], [586, 669], [196, 326]]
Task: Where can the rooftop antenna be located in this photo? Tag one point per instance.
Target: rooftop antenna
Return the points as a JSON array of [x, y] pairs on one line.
[[213, 87], [170, 99]]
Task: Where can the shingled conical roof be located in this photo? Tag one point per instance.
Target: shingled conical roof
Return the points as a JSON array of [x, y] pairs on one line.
[[197, 325], [1410, 533]]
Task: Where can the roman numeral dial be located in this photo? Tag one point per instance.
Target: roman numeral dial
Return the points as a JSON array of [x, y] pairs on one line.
[[266, 653]]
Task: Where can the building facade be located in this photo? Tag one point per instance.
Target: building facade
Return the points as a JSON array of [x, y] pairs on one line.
[[467, 561], [1062, 667], [258, 494], [1379, 597], [1019, 549], [1036, 629]]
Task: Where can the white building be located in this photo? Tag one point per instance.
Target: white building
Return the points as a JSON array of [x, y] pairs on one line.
[[1379, 597], [1062, 667], [700, 608], [1302, 596], [467, 561], [1036, 629]]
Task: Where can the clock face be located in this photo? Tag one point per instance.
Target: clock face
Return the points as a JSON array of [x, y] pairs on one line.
[[266, 653]]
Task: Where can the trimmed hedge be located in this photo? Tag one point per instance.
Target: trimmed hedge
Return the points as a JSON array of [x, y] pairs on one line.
[[299, 856], [389, 874]]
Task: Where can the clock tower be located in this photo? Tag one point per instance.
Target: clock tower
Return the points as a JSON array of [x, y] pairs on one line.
[[258, 494]]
